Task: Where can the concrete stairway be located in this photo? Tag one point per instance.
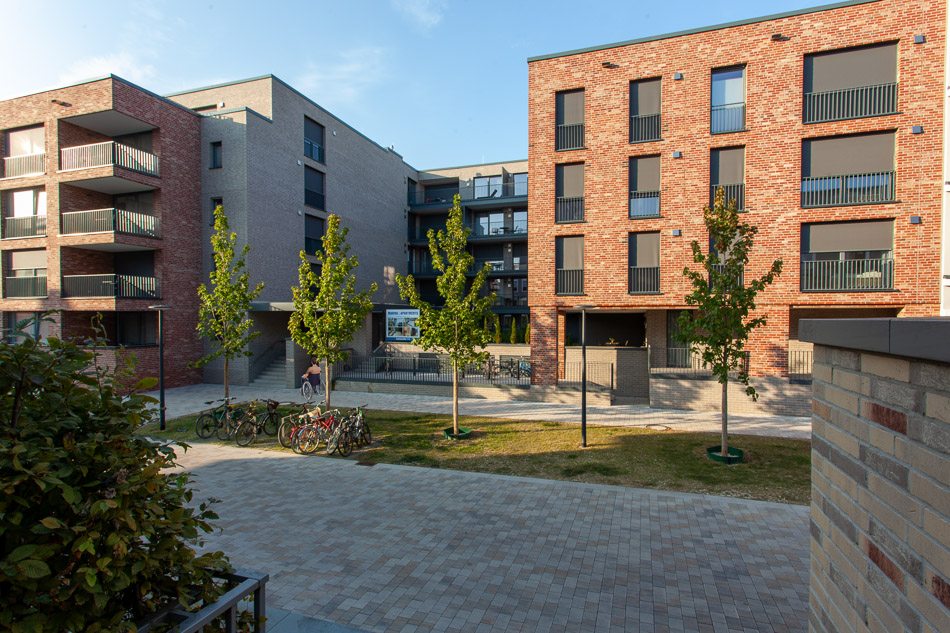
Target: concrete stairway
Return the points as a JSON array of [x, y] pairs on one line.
[[273, 377]]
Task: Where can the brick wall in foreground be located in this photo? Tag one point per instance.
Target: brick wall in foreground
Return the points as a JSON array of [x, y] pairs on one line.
[[880, 529]]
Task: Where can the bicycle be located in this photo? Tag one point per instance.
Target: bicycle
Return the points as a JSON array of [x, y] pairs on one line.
[[290, 425], [360, 431], [223, 416], [248, 430]]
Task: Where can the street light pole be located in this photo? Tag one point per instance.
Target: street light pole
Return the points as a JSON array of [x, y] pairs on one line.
[[583, 309], [161, 367]]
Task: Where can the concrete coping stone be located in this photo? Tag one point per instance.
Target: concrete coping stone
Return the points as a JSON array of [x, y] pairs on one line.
[[924, 338]]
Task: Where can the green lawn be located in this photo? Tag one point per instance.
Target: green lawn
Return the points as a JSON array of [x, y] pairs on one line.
[[775, 469]]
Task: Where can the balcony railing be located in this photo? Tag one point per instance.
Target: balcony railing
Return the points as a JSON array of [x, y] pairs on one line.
[[422, 268], [312, 245], [721, 268], [115, 286], [644, 127], [106, 154], [644, 204], [728, 117], [847, 189], [569, 136], [433, 195], [24, 165], [499, 266], [314, 199], [683, 362], [644, 280], [800, 363], [569, 209], [518, 301], [496, 229], [23, 287], [850, 103], [501, 190], [110, 221], [313, 150], [732, 192], [842, 275], [569, 281], [25, 226]]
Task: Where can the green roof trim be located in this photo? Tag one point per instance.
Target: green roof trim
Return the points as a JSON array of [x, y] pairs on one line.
[[704, 29]]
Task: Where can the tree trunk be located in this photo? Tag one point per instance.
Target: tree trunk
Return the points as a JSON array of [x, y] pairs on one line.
[[226, 393], [326, 387], [725, 419], [455, 397]]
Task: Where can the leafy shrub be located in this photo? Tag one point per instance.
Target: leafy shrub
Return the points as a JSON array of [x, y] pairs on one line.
[[93, 535]]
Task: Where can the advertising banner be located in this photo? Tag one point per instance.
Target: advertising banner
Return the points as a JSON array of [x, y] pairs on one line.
[[401, 325]]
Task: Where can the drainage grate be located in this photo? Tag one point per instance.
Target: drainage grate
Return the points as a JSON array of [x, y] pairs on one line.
[[365, 463]]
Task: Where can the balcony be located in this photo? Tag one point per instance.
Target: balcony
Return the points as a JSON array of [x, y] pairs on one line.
[[644, 280], [569, 281], [108, 154], [644, 204], [24, 287], [25, 165], [843, 275], [732, 192], [422, 268], [569, 209], [569, 136], [509, 189], [720, 269], [728, 117], [110, 221], [850, 103], [434, 195], [848, 189], [495, 229], [314, 150], [25, 226], [498, 266], [111, 286], [644, 127], [519, 301]]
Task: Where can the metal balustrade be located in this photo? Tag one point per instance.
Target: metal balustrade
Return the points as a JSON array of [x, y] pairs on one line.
[[644, 204], [422, 268], [313, 150], [732, 192], [433, 195], [644, 127], [569, 209], [496, 228], [111, 286], [508, 189], [683, 362], [644, 280], [569, 281], [721, 268], [432, 368], [569, 136], [110, 221], [850, 103], [497, 265], [728, 117], [839, 275], [312, 245], [800, 364], [848, 189], [108, 154], [24, 165], [23, 287], [25, 226], [244, 587]]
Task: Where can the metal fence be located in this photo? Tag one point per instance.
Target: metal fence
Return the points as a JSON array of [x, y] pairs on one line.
[[25, 165], [25, 226], [644, 204], [115, 286], [850, 103], [838, 275], [800, 365], [569, 281], [599, 375], [240, 587], [433, 195], [644, 127], [500, 190], [728, 117], [732, 192], [644, 280], [15, 287], [110, 220], [108, 153], [846, 189], [569, 136], [688, 363], [569, 209], [496, 228], [435, 369]]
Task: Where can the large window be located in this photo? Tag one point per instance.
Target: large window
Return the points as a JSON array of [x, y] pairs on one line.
[[644, 258], [645, 110], [728, 100], [569, 118], [135, 329], [850, 83], [24, 213], [25, 152], [313, 234], [36, 328], [217, 156], [314, 193], [644, 186], [520, 183], [488, 187], [313, 140], [848, 170], [847, 256], [25, 273], [569, 265], [727, 170], [569, 192]]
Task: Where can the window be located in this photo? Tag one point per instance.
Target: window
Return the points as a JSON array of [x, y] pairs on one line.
[[313, 232], [489, 224], [25, 274], [847, 256], [644, 259], [678, 353], [520, 184], [313, 140], [644, 187], [313, 194], [569, 192], [136, 329], [24, 213], [569, 117], [519, 222], [25, 152], [569, 265], [727, 170], [39, 330], [215, 203], [728, 100], [848, 170], [216, 157], [488, 187], [645, 110], [850, 83], [142, 202]]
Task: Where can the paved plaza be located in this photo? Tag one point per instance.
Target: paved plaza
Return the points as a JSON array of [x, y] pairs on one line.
[[353, 547]]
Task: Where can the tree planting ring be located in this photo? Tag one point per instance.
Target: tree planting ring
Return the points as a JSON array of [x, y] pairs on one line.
[[735, 455], [463, 433]]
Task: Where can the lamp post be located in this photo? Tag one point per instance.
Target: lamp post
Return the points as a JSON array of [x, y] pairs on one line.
[[161, 367], [583, 308]]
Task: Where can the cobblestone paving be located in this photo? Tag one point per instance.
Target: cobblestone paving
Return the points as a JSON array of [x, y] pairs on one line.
[[397, 548]]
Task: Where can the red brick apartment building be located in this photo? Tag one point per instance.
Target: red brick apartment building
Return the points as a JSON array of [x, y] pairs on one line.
[[825, 124], [99, 193]]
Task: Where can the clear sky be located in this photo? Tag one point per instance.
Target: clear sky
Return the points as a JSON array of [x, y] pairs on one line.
[[444, 81]]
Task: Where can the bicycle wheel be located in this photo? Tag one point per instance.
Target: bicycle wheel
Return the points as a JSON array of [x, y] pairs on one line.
[[319, 390], [270, 424], [333, 441], [308, 440], [345, 446], [204, 425], [365, 435], [306, 389], [226, 428], [285, 433], [245, 433]]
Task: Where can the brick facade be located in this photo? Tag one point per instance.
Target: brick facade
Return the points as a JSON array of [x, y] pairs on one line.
[[773, 167]]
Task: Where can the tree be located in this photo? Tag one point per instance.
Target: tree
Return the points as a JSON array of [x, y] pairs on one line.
[[721, 325], [513, 338], [327, 308], [457, 328], [223, 312], [527, 334]]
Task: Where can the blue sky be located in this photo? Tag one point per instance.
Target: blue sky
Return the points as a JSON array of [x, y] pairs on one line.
[[444, 81]]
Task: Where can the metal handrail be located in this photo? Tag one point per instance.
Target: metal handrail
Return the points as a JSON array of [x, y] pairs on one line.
[[727, 117], [838, 275], [495, 229], [106, 154], [23, 287], [108, 221], [112, 286], [644, 127], [569, 136], [24, 165], [24, 226], [644, 280], [243, 585], [569, 209], [849, 103], [848, 189], [569, 281], [733, 191], [644, 204]]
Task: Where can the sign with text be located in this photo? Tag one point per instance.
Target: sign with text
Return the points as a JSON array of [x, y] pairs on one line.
[[401, 325]]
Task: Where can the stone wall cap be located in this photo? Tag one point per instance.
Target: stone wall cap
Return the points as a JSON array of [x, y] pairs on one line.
[[920, 337]]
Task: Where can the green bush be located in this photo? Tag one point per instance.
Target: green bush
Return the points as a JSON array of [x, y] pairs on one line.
[[94, 534], [527, 333]]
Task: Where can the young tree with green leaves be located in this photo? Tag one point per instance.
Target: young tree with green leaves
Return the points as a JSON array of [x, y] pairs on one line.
[[457, 328], [327, 308], [223, 311], [721, 325]]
